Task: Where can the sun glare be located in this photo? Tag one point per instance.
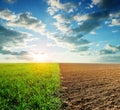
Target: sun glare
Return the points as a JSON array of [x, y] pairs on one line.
[[39, 57]]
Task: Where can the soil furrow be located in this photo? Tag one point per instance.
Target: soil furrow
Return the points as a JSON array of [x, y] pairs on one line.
[[90, 86]]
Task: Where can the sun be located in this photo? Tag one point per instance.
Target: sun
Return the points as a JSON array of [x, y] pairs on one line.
[[39, 57]]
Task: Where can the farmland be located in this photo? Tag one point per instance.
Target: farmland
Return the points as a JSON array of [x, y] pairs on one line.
[[90, 86], [50, 86], [29, 86]]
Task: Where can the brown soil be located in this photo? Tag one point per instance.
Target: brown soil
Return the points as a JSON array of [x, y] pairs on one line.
[[90, 86]]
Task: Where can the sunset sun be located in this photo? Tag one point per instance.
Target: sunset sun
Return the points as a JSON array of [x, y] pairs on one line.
[[40, 57]]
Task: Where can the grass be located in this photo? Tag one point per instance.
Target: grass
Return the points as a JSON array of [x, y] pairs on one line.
[[29, 86]]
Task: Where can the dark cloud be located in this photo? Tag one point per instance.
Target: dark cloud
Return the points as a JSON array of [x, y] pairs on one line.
[[24, 57], [4, 52], [11, 38], [109, 49], [73, 38], [80, 49], [109, 59], [91, 23], [8, 36], [76, 42], [109, 4], [94, 20], [105, 51]]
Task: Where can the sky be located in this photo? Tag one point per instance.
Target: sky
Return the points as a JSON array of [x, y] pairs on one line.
[[77, 31]]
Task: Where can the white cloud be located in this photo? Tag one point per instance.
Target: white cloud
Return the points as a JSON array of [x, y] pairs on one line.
[[52, 10], [61, 19], [92, 32], [69, 37], [79, 17], [112, 48], [115, 31], [69, 7], [95, 2], [24, 20], [115, 14], [114, 19], [27, 21], [115, 22], [62, 23], [62, 27], [73, 29], [55, 5], [7, 14]]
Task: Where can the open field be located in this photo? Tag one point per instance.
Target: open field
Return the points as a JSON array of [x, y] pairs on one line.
[[36, 86], [29, 87], [90, 86]]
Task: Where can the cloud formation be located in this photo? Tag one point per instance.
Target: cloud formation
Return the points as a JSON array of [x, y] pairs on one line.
[[70, 21], [56, 5], [111, 9], [85, 23], [61, 18], [67, 35], [11, 38], [91, 22], [114, 19], [4, 52], [80, 49], [8, 36], [7, 14], [109, 49], [115, 22], [75, 43], [107, 4], [25, 20]]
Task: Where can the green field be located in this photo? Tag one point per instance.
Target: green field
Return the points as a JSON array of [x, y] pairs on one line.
[[29, 87]]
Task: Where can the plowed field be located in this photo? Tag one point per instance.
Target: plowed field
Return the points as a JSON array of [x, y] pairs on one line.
[[90, 86]]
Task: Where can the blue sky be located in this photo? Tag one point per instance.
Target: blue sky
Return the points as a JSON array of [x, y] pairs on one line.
[[83, 31]]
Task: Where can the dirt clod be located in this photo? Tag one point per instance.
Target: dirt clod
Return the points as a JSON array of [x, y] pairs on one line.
[[90, 86]]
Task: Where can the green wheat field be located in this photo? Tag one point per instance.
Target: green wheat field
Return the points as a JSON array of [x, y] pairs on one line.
[[28, 86]]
